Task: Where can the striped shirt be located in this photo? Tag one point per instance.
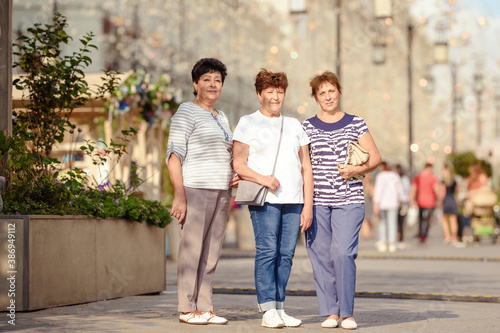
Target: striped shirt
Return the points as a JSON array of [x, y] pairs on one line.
[[329, 146], [204, 144]]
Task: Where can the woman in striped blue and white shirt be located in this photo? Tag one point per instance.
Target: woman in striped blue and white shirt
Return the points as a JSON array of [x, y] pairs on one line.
[[339, 208], [199, 156]]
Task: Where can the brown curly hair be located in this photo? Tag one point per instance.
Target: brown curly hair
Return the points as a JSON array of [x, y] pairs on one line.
[[266, 78]]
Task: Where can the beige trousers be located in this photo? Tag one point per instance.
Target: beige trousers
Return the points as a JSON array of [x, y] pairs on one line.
[[202, 235]]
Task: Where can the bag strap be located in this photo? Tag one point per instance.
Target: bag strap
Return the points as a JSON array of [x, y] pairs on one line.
[[279, 144]]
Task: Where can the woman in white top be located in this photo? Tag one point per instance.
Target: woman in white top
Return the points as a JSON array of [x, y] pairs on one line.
[[199, 155], [288, 205], [386, 200]]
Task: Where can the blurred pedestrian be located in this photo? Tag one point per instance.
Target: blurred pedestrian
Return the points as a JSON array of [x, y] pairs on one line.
[[339, 209], [199, 154], [288, 206], [477, 178], [448, 202], [424, 189], [404, 205], [386, 200], [476, 181]]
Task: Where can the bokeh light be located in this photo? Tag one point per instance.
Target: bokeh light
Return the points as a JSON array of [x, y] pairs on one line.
[[414, 147]]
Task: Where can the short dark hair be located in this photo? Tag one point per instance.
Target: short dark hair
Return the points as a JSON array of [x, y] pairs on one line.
[[266, 78], [207, 65], [322, 78]]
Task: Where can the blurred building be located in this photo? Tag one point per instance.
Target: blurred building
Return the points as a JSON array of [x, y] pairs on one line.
[[300, 38]]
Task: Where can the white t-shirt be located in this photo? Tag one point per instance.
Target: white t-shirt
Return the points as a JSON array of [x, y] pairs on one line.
[[388, 190], [262, 133]]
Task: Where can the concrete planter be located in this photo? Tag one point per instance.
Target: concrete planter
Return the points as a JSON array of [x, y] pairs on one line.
[[63, 260]]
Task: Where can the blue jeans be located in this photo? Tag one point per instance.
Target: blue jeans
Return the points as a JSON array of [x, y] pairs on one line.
[[276, 228]]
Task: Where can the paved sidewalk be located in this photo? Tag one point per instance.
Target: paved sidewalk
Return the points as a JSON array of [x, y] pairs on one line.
[[432, 268]]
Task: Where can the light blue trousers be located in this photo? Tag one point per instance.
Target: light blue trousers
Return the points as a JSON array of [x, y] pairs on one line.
[[332, 245], [388, 224]]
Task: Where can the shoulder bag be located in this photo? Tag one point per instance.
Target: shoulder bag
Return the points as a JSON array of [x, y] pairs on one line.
[[251, 193]]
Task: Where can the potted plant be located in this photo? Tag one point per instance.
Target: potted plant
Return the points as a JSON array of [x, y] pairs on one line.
[[71, 238]]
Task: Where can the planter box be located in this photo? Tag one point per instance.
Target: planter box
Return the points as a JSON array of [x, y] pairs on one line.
[[63, 260]]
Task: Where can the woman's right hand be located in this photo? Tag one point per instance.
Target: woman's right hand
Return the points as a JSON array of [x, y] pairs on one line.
[[179, 207], [272, 183]]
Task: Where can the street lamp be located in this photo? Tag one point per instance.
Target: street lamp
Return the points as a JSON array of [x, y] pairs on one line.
[[382, 8], [378, 53], [440, 52], [478, 89], [298, 7]]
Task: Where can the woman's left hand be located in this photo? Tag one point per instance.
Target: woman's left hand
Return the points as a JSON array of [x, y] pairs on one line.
[[306, 218], [233, 183]]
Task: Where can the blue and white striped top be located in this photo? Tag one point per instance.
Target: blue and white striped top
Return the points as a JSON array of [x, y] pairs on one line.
[[329, 146], [204, 144]]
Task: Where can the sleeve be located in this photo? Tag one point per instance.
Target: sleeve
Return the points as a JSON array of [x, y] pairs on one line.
[[241, 130], [181, 128], [303, 138], [362, 127]]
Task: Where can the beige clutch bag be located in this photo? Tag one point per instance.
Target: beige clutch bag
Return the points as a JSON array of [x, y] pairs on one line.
[[356, 155]]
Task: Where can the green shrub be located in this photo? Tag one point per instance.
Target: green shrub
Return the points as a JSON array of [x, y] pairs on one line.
[[55, 85]]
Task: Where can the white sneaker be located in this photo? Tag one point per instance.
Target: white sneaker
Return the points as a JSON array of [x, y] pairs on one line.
[[212, 318], [272, 319], [193, 318], [289, 321], [392, 248]]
